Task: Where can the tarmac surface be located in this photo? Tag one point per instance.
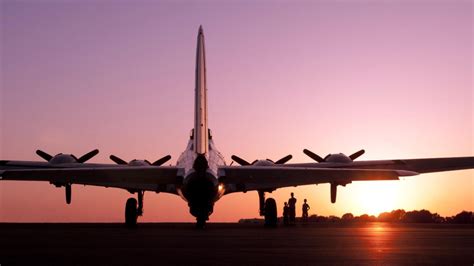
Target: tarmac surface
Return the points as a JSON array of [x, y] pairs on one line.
[[235, 244]]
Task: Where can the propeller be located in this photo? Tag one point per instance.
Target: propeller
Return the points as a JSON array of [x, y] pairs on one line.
[[84, 158], [243, 162], [158, 162], [162, 160], [313, 156], [319, 159], [356, 155], [117, 160], [44, 155], [284, 159], [239, 160]]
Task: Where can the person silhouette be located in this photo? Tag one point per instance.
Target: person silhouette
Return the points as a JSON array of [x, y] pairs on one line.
[[292, 208], [286, 213], [305, 211]]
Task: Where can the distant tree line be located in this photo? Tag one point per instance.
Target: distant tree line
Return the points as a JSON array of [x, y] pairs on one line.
[[396, 216], [401, 216]]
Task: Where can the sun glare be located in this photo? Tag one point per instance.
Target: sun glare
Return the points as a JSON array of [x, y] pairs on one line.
[[376, 197]]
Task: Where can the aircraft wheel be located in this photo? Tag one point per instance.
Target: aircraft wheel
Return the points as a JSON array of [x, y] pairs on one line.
[[131, 213], [270, 213]]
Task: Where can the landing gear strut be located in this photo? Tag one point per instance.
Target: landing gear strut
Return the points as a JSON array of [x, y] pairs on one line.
[[133, 209], [68, 193], [261, 202], [333, 192], [141, 194]]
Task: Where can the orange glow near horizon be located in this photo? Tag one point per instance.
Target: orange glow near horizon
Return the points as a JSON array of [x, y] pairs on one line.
[[377, 198]]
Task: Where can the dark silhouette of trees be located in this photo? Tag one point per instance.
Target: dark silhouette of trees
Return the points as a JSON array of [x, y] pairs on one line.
[[396, 216], [348, 217], [463, 217], [364, 218], [438, 218], [391, 217], [422, 216]]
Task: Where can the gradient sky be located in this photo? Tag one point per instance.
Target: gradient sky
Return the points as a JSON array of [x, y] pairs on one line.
[[392, 77]]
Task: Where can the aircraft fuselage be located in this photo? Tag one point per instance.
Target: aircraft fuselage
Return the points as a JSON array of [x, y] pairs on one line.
[[201, 188]]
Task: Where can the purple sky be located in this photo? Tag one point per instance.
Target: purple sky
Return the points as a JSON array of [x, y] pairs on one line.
[[392, 77]]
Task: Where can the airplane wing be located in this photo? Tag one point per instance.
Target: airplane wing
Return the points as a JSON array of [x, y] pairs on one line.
[[429, 165], [152, 178], [11, 164], [244, 178]]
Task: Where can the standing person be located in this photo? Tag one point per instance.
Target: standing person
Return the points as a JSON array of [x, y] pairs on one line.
[[305, 211], [286, 213], [292, 206]]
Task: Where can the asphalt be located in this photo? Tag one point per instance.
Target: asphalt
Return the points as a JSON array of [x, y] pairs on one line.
[[235, 244]]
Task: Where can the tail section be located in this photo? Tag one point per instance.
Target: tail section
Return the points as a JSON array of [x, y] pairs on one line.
[[201, 133]]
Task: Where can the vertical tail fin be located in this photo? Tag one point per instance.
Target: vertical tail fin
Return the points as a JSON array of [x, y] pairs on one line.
[[201, 132]]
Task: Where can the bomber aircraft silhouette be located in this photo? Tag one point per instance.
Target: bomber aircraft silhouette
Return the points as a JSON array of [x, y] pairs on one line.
[[201, 176]]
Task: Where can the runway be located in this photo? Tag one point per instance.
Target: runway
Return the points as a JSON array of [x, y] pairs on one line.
[[235, 244]]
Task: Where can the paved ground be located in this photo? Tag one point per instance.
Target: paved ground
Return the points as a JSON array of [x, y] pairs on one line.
[[106, 244]]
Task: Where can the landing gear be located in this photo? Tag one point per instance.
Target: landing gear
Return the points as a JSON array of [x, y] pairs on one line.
[[333, 192], [68, 193], [133, 209], [271, 219], [268, 209], [141, 194], [131, 213], [200, 222], [261, 202], [202, 214]]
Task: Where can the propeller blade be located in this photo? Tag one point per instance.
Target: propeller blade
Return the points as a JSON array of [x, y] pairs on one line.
[[356, 155], [239, 160], [313, 156], [44, 155], [284, 159], [162, 160], [117, 160], [86, 157]]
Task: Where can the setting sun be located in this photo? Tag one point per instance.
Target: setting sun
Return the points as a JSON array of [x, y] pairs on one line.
[[376, 197]]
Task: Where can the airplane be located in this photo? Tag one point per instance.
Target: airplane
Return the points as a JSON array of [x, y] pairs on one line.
[[201, 176]]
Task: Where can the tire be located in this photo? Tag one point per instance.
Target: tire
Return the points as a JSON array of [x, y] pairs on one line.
[[131, 213], [270, 213]]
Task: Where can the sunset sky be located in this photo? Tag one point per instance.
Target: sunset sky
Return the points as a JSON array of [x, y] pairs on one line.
[[392, 77]]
